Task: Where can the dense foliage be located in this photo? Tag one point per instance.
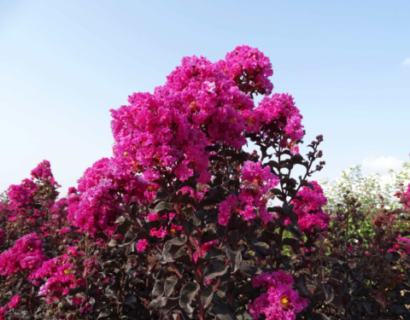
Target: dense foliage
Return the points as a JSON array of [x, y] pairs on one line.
[[179, 222]]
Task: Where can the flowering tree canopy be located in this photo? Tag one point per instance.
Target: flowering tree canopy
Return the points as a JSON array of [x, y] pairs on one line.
[[179, 222]]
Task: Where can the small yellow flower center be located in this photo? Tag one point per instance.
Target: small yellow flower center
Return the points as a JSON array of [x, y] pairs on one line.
[[285, 303], [66, 271]]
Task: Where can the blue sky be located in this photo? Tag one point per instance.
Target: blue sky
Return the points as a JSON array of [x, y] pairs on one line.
[[64, 64]]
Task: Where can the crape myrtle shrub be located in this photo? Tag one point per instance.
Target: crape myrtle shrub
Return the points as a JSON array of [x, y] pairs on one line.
[[179, 222]]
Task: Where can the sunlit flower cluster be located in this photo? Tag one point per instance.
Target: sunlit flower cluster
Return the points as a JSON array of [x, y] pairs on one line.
[[280, 301]]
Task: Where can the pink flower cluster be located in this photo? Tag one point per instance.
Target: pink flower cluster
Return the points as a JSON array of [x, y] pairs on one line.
[[309, 209], [280, 301], [256, 182], [14, 301], [162, 231], [57, 218], [189, 191], [142, 245], [279, 114], [22, 194], [200, 104], [226, 208], [60, 275], [94, 206], [250, 69], [251, 202], [3, 311], [26, 254], [43, 172], [59, 206]]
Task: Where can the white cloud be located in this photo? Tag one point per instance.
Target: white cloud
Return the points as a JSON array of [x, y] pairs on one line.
[[406, 62], [380, 165]]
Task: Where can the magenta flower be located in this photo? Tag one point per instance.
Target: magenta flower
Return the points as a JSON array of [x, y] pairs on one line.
[[3, 311], [199, 105], [256, 182], [142, 245], [43, 172], [309, 209], [225, 209], [279, 301], [152, 216], [254, 64], [279, 113], [26, 254], [14, 301], [251, 203], [59, 276], [95, 205], [22, 194]]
